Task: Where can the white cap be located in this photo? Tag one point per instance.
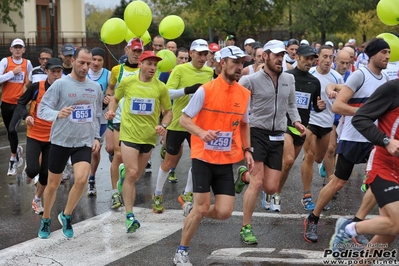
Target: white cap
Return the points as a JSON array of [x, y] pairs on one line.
[[249, 41], [234, 52], [275, 46], [351, 40], [199, 45], [303, 42], [217, 56], [17, 42], [329, 43]]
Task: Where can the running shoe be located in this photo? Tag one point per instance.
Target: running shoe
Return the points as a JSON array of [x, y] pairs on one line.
[[66, 222], [308, 203], [37, 206], [131, 224], [44, 230], [266, 200], [340, 238], [92, 191], [275, 203], [157, 205], [181, 258], [188, 206], [162, 152], [310, 231], [183, 198], [12, 168], [116, 200], [247, 235], [119, 184], [20, 158], [322, 169], [110, 157], [361, 240], [172, 178], [148, 168], [239, 184]]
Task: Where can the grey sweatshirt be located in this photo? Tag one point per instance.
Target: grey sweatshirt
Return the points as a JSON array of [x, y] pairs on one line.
[[270, 105], [83, 125]]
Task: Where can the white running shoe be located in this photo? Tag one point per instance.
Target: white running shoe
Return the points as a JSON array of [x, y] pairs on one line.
[[275, 203], [20, 152], [12, 168]]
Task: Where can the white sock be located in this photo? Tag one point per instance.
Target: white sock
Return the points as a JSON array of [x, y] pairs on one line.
[[161, 179], [189, 183], [13, 158], [350, 229]]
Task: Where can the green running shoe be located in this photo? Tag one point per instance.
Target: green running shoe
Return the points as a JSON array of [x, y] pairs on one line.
[[239, 184], [247, 235], [157, 205], [121, 177], [172, 178], [131, 224]]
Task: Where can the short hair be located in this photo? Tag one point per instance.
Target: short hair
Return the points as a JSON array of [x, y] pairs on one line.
[[328, 47], [46, 51], [181, 49], [256, 49], [79, 49]]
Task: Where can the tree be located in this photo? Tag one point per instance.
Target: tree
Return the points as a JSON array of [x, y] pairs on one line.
[[242, 18], [95, 17], [120, 10], [328, 16], [6, 7]]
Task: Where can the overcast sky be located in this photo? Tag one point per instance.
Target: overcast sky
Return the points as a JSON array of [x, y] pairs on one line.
[[104, 3]]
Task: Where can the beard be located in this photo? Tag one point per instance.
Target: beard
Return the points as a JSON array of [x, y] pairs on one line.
[[273, 67]]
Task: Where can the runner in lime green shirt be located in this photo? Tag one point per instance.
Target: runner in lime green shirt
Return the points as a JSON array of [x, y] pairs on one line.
[[145, 97]]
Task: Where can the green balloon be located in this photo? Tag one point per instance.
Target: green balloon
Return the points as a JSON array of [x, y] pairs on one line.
[[388, 12], [138, 17], [393, 42], [168, 60], [113, 31], [171, 27]]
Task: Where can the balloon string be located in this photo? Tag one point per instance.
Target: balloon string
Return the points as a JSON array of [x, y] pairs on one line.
[[109, 51]]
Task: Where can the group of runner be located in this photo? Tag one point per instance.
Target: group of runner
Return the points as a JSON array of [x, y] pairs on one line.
[[287, 96]]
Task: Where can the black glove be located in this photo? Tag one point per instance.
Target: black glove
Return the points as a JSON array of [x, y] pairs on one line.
[[192, 89]]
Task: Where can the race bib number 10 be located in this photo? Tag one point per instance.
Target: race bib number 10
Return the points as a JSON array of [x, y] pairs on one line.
[[222, 143], [142, 106], [82, 113]]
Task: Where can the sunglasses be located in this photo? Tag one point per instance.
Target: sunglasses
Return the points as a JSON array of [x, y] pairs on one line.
[[293, 41]]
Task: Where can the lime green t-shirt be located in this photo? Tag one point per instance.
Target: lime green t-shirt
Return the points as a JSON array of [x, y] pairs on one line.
[[182, 76], [141, 109]]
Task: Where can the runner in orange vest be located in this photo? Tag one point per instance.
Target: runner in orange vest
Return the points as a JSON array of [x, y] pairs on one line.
[[217, 119], [13, 73]]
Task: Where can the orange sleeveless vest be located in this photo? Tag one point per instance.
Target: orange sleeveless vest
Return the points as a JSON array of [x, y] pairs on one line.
[[13, 88], [223, 109], [41, 129]]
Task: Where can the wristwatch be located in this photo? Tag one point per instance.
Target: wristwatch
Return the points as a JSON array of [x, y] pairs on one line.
[[386, 141], [249, 149], [164, 126]]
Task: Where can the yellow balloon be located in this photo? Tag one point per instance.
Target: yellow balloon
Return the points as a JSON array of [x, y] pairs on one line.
[[129, 35], [388, 12], [168, 60], [171, 27], [138, 17], [393, 42], [113, 31], [146, 38]]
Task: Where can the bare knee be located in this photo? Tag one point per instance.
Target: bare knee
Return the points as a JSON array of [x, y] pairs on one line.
[[202, 209], [224, 212]]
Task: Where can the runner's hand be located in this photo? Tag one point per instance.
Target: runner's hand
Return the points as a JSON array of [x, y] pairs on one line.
[[65, 112]]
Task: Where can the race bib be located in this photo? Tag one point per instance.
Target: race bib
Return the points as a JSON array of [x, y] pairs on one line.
[[18, 78], [302, 99], [142, 106], [222, 143], [82, 113], [277, 138]]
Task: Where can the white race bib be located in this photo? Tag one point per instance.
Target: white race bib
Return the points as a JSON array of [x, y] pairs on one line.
[[142, 106], [277, 138], [222, 143], [302, 99], [82, 113], [18, 78]]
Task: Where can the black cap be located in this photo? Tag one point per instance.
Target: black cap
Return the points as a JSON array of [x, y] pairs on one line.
[[230, 37], [306, 50], [54, 63], [98, 51]]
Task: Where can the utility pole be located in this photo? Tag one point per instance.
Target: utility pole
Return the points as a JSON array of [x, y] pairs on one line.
[[53, 42]]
